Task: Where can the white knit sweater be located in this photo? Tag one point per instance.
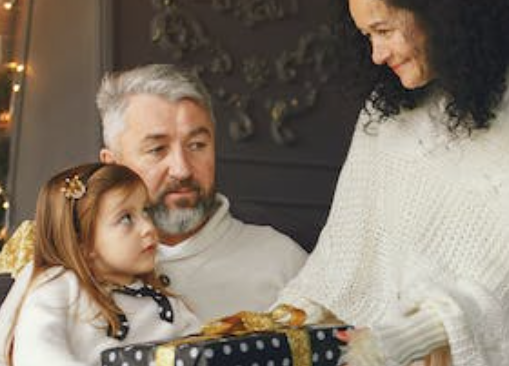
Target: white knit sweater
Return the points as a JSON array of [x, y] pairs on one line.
[[58, 323], [420, 220]]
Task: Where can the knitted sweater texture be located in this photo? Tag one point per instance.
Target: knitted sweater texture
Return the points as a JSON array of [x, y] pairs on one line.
[[420, 219]]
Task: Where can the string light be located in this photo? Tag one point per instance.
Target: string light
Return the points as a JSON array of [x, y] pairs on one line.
[[15, 79], [3, 233], [5, 207], [17, 67], [5, 119], [8, 5]]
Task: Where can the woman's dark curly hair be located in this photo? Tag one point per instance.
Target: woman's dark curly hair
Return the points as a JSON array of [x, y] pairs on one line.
[[468, 45]]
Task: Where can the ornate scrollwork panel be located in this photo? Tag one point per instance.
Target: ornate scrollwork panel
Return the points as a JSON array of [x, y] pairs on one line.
[[300, 70], [252, 12]]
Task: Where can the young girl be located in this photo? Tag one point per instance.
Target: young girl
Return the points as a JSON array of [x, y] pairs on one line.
[[93, 284]]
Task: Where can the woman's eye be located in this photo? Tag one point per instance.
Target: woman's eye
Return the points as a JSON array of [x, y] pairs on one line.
[[383, 32]]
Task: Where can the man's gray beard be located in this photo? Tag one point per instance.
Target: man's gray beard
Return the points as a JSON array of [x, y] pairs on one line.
[[177, 221]]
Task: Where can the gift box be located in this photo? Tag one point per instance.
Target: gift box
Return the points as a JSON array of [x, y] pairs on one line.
[[288, 346]]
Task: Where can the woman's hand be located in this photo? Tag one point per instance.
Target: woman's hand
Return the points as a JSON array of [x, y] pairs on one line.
[[359, 348], [344, 338]]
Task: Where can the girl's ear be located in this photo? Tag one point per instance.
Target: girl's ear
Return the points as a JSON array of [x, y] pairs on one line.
[[106, 156], [88, 252]]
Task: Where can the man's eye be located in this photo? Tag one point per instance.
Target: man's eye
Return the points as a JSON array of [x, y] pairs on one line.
[[156, 150], [197, 145]]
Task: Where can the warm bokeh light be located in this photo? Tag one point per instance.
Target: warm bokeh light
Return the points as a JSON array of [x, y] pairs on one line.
[[16, 66], [5, 120], [3, 233], [12, 77]]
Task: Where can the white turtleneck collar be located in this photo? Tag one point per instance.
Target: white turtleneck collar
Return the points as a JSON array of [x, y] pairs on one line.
[[214, 228]]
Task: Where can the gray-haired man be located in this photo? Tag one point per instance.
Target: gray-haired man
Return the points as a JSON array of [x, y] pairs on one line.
[[158, 120]]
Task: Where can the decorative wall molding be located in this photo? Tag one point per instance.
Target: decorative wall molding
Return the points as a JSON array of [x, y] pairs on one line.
[[252, 12], [285, 85]]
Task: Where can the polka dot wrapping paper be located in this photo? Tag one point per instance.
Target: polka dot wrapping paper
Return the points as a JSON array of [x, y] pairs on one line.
[[305, 346]]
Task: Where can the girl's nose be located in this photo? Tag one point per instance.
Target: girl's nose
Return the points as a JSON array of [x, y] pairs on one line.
[[148, 228]]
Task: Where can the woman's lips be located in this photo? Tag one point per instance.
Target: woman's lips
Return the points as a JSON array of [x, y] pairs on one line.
[[396, 67]]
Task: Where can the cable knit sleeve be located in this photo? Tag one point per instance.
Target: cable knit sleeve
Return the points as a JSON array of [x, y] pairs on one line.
[[476, 322], [461, 316], [412, 338], [41, 334]]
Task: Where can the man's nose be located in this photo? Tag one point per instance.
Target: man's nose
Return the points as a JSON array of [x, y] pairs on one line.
[[379, 52], [179, 167]]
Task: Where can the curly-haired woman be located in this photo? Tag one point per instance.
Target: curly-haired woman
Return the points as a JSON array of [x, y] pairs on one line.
[[415, 249]]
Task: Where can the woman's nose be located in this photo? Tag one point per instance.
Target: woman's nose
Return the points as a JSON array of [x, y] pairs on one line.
[[379, 52]]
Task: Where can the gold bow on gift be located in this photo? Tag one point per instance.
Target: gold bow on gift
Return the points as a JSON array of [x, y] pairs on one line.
[[284, 319], [18, 250], [250, 321]]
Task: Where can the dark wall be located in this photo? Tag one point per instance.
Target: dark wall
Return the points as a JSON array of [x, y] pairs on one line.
[[56, 123], [275, 168]]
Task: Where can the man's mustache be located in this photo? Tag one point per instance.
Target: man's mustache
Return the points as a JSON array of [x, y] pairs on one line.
[[178, 185]]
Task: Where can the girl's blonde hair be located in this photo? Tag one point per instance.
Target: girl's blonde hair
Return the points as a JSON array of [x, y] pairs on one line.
[[65, 231]]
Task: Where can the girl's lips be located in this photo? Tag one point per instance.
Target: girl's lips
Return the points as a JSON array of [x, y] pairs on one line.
[[149, 248]]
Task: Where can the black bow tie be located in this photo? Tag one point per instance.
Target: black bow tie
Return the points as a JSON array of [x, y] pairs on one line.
[[165, 309]]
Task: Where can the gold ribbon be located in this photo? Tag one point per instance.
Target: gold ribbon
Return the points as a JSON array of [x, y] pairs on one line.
[[284, 319], [19, 249], [249, 321], [165, 353]]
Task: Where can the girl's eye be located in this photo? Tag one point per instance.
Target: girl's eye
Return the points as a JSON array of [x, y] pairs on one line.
[[126, 219]]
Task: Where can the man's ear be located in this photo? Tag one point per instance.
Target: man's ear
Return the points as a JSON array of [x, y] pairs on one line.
[[106, 156]]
